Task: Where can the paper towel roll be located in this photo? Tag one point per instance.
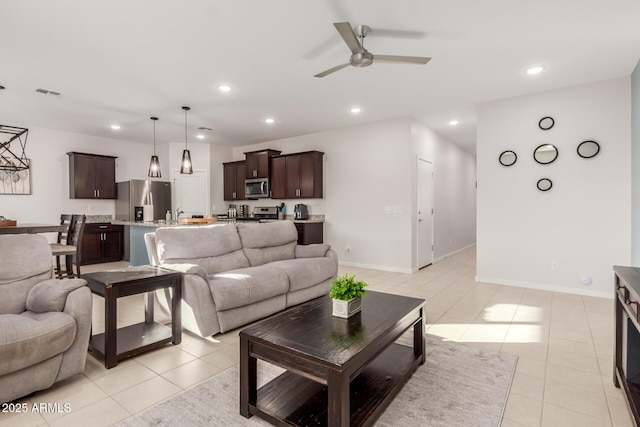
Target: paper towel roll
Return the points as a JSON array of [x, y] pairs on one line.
[[147, 213]]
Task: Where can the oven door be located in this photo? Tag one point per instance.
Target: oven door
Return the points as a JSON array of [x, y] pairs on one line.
[[256, 188]]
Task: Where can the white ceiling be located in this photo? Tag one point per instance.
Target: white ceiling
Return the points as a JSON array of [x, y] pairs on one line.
[[122, 61]]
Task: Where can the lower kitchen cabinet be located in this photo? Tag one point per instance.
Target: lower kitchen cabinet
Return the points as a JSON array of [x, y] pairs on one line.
[[310, 232], [101, 242]]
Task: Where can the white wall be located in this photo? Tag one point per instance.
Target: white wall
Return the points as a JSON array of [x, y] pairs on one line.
[[49, 198], [369, 167], [219, 155], [583, 223], [635, 152]]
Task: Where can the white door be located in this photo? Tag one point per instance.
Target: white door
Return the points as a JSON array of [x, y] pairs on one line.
[[425, 213], [191, 193]]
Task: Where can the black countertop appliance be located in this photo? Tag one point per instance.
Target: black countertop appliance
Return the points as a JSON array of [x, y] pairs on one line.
[[301, 211]]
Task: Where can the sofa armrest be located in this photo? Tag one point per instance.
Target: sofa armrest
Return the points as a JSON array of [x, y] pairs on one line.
[[188, 269], [315, 250], [51, 294]]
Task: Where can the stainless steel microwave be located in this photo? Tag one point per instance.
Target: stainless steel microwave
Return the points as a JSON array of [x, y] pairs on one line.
[[256, 188]]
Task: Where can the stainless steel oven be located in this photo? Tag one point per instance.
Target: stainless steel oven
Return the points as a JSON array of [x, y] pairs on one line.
[[256, 188]]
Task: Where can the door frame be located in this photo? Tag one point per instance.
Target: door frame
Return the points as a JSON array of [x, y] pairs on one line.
[[417, 223]]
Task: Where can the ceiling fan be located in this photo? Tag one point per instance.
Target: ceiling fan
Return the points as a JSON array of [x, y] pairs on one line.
[[361, 57]]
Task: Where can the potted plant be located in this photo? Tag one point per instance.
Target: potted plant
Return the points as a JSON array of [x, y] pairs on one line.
[[346, 292]]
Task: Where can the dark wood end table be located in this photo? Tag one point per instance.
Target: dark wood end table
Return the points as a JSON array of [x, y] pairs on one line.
[[117, 344], [339, 372]]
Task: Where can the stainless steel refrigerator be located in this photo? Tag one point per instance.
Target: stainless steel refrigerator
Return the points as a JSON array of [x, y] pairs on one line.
[[138, 193]]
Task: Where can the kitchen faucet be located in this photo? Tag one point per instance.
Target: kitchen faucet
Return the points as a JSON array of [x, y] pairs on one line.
[[179, 211]]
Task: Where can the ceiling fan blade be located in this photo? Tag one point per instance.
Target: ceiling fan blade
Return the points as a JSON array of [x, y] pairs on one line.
[[401, 59], [349, 36], [400, 34], [332, 70]]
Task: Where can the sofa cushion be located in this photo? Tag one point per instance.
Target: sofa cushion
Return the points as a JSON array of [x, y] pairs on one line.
[[216, 248], [237, 288], [306, 272], [25, 261], [30, 338], [268, 242]]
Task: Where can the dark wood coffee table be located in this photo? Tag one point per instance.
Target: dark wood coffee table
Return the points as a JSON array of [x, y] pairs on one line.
[[339, 372], [116, 344]]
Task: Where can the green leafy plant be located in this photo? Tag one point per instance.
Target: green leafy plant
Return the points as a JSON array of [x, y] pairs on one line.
[[346, 287]]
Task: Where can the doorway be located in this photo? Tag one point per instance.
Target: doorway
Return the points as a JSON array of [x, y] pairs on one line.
[[191, 193], [425, 213]]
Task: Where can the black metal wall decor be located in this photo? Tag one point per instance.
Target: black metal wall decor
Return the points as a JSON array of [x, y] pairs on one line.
[[15, 170], [13, 160]]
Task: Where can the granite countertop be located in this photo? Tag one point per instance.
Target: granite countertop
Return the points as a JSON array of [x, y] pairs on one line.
[[162, 223], [312, 219], [92, 219]]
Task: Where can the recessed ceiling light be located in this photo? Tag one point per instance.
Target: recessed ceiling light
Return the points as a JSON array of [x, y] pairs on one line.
[[355, 110], [269, 120], [535, 70], [453, 122], [115, 127], [224, 88], [200, 136]]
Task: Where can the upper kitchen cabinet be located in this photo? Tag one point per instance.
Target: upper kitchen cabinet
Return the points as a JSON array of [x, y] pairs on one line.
[[91, 176], [258, 163], [297, 176], [234, 176]]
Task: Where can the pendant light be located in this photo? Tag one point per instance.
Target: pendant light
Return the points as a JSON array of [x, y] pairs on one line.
[[154, 166], [186, 167]]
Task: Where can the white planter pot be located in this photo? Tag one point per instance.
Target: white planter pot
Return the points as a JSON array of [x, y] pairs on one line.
[[346, 309]]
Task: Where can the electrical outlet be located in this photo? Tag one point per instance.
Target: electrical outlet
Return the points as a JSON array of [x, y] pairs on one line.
[[554, 266]]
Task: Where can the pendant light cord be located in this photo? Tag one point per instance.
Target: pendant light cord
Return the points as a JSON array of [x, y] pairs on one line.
[[185, 127], [154, 137]]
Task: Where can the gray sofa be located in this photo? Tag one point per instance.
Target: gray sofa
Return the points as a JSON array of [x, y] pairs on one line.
[[238, 273], [44, 322]]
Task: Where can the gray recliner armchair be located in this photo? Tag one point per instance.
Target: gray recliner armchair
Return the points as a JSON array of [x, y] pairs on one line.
[[44, 322]]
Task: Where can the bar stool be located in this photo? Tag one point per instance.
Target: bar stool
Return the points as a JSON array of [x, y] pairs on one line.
[[69, 245]]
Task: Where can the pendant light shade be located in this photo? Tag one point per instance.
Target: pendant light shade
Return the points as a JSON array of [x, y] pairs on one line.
[[186, 167], [154, 166]]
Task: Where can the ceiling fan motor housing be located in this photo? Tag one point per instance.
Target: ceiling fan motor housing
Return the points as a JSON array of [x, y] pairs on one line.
[[361, 59]]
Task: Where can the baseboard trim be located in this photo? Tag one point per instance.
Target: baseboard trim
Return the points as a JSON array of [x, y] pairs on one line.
[[450, 254], [376, 267], [546, 287]]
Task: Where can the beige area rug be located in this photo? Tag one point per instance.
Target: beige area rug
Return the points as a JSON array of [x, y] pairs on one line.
[[459, 385]]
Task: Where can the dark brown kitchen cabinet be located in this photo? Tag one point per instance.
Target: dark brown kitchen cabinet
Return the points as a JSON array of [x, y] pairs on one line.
[[101, 242], [91, 176], [297, 176], [258, 163], [310, 232], [234, 176]]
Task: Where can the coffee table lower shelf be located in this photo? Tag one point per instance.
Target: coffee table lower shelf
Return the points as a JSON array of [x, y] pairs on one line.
[[291, 399], [134, 339]]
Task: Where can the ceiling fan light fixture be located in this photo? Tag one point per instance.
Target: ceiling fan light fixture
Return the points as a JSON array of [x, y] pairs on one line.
[[186, 167], [269, 120], [115, 127], [224, 88], [154, 165], [453, 122], [355, 110]]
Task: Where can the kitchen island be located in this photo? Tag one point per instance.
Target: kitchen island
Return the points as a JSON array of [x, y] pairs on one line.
[[309, 231]]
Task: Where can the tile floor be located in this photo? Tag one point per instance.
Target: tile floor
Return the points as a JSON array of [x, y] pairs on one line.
[[564, 343]]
